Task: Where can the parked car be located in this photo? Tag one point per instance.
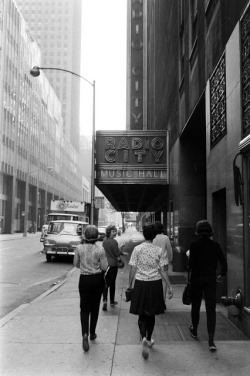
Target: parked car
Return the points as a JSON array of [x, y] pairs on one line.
[[62, 238], [101, 232]]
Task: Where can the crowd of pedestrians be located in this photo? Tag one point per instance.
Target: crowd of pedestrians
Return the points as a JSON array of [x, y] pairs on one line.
[[148, 279]]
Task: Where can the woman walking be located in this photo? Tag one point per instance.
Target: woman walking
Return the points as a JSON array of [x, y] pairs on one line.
[[92, 262], [112, 251], [204, 256], [163, 242], [147, 271]]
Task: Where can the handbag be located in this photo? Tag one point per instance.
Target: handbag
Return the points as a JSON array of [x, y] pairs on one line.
[[128, 294], [186, 295], [120, 263]]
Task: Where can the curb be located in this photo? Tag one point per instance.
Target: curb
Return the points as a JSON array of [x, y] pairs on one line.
[[22, 307]]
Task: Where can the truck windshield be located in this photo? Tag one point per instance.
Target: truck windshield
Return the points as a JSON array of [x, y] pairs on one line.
[[65, 228]]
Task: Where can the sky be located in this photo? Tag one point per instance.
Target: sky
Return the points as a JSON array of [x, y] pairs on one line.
[[104, 47]]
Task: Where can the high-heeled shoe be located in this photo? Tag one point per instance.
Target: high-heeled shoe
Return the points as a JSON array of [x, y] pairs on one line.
[[85, 342], [151, 342], [145, 352], [93, 336]]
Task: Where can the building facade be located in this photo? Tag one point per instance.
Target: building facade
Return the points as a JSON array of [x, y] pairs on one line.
[[56, 26], [188, 73], [38, 163]]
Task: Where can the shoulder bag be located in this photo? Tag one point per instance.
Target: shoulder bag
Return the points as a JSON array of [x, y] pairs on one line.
[[186, 295]]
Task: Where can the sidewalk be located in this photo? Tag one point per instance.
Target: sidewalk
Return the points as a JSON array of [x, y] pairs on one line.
[[18, 235], [44, 338]]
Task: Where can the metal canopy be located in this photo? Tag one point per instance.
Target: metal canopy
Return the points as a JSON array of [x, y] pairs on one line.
[[135, 197]]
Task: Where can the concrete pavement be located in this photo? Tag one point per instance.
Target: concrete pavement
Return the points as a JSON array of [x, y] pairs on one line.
[[44, 338]]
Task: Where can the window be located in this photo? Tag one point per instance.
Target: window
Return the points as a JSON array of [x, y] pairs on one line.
[[182, 53], [193, 21]]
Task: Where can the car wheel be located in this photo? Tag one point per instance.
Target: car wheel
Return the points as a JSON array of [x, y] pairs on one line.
[[48, 258]]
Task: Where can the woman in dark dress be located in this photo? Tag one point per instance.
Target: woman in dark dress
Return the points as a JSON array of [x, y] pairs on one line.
[[112, 252], [148, 263], [204, 256]]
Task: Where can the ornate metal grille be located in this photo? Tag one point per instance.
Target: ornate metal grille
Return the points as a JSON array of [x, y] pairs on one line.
[[218, 103], [245, 69]]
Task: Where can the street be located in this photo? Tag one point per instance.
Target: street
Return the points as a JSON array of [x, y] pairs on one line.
[[25, 274]]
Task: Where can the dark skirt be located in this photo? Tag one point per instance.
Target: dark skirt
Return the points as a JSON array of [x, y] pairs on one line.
[[147, 298]]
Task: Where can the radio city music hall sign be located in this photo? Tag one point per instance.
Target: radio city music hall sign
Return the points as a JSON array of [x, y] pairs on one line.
[[131, 157]]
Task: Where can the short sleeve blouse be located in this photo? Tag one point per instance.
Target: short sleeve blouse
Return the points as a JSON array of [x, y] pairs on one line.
[[148, 259], [90, 258]]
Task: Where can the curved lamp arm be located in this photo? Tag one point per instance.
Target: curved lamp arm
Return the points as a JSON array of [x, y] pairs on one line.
[[35, 72]]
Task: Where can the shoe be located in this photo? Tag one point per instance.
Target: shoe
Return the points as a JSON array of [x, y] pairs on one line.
[[211, 344], [145, 348], [193, 332], [92, 336], [104, 307], [212, 347], [151, 342], [113, 303], [85, 343]]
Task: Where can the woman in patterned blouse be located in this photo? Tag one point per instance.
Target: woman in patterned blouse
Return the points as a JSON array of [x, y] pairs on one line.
[[147, 271], [92, 261]]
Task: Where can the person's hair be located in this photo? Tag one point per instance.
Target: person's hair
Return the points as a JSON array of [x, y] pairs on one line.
[[148, 232], [158, 226], [109, 229], [203, 228], [91, 234]]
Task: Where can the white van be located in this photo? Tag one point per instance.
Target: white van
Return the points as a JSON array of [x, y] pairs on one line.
[[58, 217]]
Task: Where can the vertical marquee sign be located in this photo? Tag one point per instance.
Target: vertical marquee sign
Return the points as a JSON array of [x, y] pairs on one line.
[[136, 65], [131, 157]]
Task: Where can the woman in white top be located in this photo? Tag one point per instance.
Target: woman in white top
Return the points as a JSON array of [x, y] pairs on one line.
[[163, 242], [92, 262], [147, 271]]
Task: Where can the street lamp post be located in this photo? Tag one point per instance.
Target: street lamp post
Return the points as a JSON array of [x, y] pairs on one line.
[[35, 72]]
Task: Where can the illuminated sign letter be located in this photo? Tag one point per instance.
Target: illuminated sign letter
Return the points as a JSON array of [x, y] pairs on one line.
[[157, 143], [157, 155], [125, 156], [140, 153], [136, 14], [137, 70], [137, 117], [137, 44], [141, 174], [108, 154], [136, 143], [123, 144], [109, 143], [104, 173]]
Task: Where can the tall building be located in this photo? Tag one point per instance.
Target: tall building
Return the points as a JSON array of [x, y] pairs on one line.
[[56, 26], [195, 57], [187, 83], [37, 161]]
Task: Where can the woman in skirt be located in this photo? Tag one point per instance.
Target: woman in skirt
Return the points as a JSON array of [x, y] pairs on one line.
[[147, 271]]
